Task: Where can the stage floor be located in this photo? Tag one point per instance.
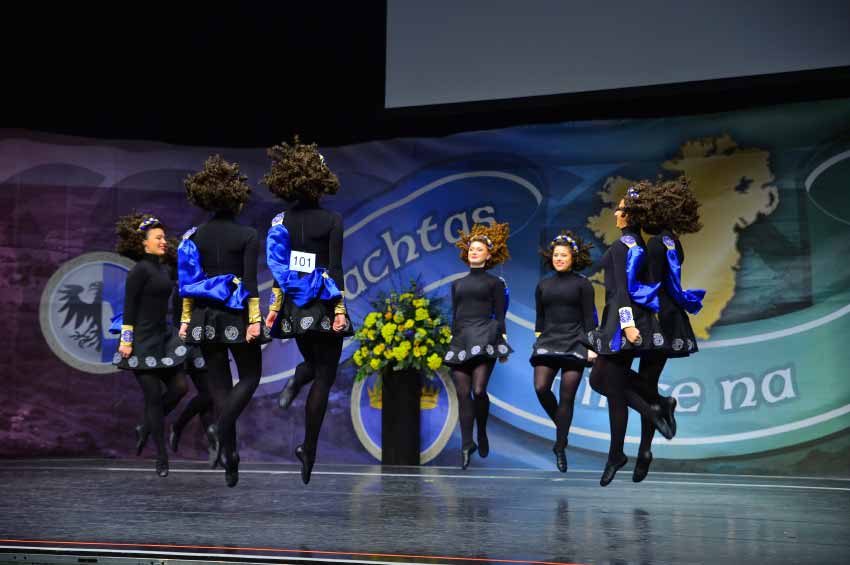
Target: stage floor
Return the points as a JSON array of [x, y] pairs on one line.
[[417, 515]]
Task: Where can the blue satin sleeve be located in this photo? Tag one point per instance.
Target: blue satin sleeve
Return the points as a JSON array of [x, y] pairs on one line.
[[644, 294], [689, 300]]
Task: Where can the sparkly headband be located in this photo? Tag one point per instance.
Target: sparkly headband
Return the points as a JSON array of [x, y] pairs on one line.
[[632, 192], [148, 223], [564, 239], [483, 239]]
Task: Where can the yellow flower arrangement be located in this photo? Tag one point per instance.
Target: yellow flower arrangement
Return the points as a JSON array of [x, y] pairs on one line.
[[404, 331]]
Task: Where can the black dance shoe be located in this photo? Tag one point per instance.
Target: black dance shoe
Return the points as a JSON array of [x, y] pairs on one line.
[[466, 455], [288, 394], [668, 408], [142, 435], [162, 467], [611, 469], [174, 438], [231, 469], [656, 415], [644, 459], [215, 442], [307, 460], [560, 458], [483, 445]]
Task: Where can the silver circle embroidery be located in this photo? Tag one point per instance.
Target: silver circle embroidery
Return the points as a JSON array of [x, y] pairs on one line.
[[199, 362], [150, 361], [287, 327], [476, 349], [167, 361], [503, 349], [197, 332], [542, 351], [133, 361], [598, 344], [306, 322], [657, 339], [116, 358], [677, 344], [180, 351], [449, 355], [690, 345], [622, 341], [461, 356], [611, 345], [489, 349], [209, 332], [266, 331], [326, 323], [231, 333]]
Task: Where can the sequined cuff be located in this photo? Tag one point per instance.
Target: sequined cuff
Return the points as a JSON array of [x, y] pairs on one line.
[[537, 334], [340, 306], [127, 335], [254, 315], [276, 300], [186, 315], [627, 319]]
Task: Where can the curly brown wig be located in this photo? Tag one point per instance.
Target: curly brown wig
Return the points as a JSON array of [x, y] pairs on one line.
[[131, 236], [672, 206], [579, 250], [495, 237], [636, 205], [219, 187], [299, 172]]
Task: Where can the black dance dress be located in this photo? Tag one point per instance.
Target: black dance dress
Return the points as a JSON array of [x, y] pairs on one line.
[[565, 315], [317, 231], [225, 248], [679, 339], [478, 319], [146, 296], [622, 309]]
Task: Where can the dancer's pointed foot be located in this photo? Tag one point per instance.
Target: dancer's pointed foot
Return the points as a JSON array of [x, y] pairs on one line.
[[611, 468], [307, 460], [466, 455]]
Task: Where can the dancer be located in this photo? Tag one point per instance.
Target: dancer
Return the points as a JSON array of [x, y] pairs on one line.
[[304, 253], [201, 404], [565, 314], [479, 304], [629, 328], [673, 211], [217, 271], [147, 346]]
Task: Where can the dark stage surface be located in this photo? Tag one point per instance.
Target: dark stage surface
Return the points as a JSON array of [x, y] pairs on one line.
[[417, 515]]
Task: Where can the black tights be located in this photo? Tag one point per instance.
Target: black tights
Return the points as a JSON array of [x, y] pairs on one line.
[[560, 411], [200, 405], [613, 378], [321, 353], [471, 384], [231, 400], [157, 404], [649, 373]]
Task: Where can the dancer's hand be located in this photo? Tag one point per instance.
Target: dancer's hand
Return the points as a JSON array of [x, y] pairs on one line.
[[340, 323], [591, 356], [503, 359], [184, 330], [270, 319], [632, 334], [253, 332], [125, 350]]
